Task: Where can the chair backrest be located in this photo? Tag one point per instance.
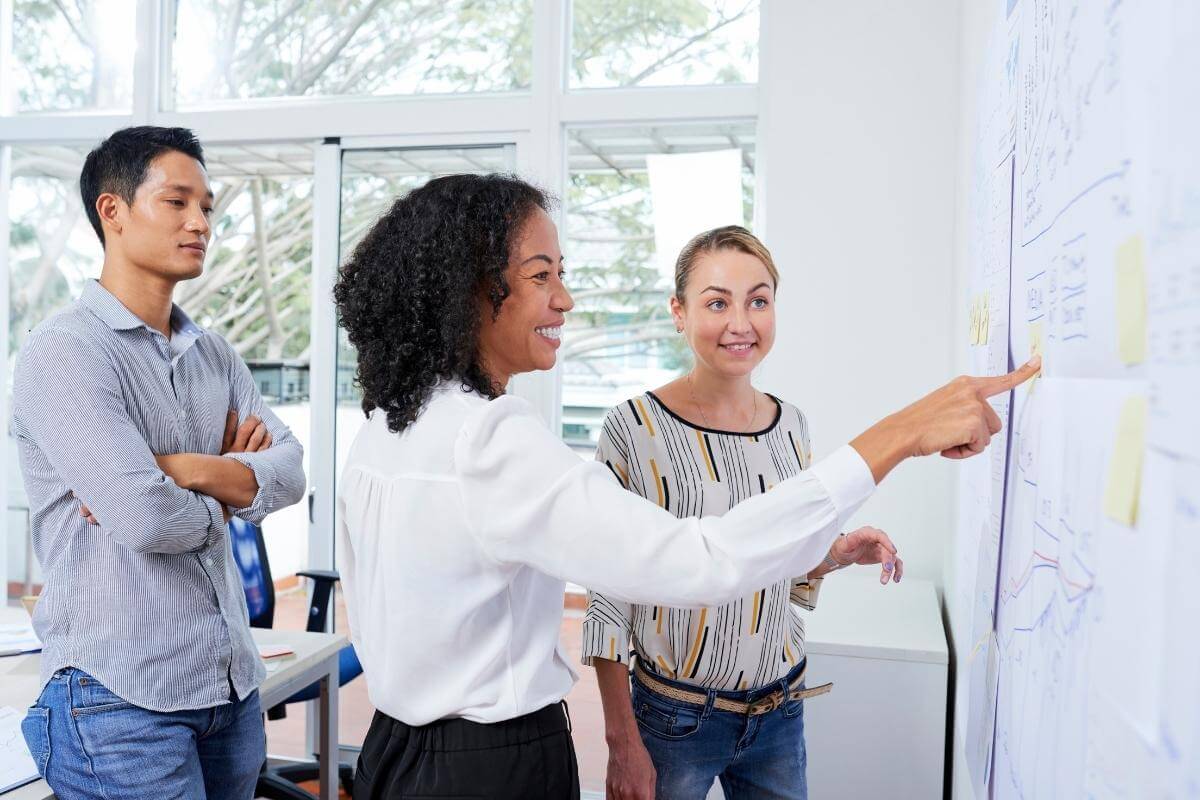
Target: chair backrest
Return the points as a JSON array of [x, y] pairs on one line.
[[250, 554]]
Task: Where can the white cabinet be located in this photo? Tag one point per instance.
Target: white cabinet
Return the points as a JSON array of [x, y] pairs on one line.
[[881, 732]]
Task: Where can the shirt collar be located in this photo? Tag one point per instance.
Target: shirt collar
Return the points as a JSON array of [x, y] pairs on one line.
[[110, 311]]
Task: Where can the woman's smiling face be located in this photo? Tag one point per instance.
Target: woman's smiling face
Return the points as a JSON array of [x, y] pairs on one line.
[[525, 335], [728, 311]]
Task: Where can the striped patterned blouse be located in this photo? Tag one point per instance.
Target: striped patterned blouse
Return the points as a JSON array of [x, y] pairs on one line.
[[694, 472]]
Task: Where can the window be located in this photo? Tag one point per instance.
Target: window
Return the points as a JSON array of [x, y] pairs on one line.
[[90, 65], [229, 50], [52, 249], [678, 43], [620, 339], [69, 76]]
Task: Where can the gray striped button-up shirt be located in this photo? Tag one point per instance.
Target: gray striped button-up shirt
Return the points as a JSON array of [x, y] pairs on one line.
[[149, 601]]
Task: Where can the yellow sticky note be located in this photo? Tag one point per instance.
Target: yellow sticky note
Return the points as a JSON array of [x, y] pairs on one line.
[[973, 334], [986, 331], [1125, 465], [1037, 341], [1131, 300]]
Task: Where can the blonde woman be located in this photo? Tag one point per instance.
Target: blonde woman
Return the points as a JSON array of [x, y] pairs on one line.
[[718, 691]]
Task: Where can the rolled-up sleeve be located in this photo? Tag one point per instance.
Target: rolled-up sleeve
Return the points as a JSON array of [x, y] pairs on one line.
[[607, 623], [606, 630], [68, 403], [278, 470], [804, 592], [530, 500]]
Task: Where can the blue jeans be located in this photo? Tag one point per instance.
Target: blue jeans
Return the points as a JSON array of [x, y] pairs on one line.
[[753, 757], [89, 743]]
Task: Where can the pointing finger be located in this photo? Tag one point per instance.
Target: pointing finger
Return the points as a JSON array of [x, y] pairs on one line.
[[1002, 383]]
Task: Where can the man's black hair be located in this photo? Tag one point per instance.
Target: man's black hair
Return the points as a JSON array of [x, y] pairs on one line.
[[118, 165]]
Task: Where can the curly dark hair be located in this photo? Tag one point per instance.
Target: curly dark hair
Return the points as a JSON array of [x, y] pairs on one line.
[[409, 296]]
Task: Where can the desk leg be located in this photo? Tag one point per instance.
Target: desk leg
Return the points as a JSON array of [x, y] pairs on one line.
[[328, 714]]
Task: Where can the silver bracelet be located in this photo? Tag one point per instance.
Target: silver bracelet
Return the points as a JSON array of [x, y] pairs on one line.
[[830, 563]]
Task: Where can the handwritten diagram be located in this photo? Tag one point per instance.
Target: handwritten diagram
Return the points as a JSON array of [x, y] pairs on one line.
[[1074, 677]]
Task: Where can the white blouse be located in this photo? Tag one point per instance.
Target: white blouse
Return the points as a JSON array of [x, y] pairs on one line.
[[456, 537]]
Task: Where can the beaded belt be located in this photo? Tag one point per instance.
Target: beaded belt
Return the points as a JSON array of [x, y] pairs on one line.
[[764, 705]]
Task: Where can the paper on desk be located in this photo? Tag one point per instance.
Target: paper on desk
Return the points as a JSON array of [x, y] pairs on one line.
[[16, 765], [18, 639], [269, 651]]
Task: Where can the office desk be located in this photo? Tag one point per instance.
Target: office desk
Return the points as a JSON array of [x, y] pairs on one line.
[[316, 659]]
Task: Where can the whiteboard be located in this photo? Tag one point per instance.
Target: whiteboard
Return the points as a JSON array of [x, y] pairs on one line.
[[1073, 606]]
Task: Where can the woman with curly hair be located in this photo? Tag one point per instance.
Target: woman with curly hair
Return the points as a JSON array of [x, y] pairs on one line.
[[461, 514]]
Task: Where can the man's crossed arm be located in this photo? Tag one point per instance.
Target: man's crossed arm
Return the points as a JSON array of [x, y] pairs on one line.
[[226, 480]]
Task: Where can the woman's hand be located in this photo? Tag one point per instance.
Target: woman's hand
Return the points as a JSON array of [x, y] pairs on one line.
[[869, 546], [631, 773], [955, 420]]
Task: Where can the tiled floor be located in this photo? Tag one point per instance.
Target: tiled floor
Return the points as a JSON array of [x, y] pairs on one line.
[[286, 736]]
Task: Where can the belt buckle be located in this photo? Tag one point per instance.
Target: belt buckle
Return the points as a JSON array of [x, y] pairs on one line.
[[766, 705]]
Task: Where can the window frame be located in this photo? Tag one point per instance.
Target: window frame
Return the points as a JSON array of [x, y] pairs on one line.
[[535, 120]]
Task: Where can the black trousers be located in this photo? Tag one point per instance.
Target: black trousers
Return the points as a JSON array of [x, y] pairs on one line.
[[527, 758]]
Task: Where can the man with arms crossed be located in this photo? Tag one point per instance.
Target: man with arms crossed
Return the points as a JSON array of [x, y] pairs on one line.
[[126, 415]]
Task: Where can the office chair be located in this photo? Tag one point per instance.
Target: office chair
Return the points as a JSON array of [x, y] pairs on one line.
[[250, 554]]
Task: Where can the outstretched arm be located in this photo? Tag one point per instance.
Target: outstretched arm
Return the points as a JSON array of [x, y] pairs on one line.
[[531, 500]]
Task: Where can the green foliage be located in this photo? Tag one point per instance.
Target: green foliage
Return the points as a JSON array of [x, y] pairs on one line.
[[343, 47], [363, 47], [630, 42]]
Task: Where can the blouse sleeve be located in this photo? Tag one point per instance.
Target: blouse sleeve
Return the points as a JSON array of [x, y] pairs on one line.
[[804, 590], [607, 623], [530, 500]]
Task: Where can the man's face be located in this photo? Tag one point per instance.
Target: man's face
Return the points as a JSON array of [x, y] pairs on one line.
[[165, 230]]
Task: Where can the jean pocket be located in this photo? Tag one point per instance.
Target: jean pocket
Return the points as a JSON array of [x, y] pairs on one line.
[[793, 708], [665, 721], [36, 730], [96, 698]]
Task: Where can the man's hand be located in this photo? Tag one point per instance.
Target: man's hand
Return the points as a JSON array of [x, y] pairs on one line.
[[224, 479], [630, 773], [249, 437], [86, 512], [869, 546], [955, 420]]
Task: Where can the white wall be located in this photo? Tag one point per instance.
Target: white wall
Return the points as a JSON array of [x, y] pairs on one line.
[[858, 122]]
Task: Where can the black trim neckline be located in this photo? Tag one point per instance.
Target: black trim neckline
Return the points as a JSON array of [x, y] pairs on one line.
[[774, 423]]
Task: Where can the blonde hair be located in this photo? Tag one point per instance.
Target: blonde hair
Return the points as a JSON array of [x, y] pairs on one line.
[[729, 237]]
